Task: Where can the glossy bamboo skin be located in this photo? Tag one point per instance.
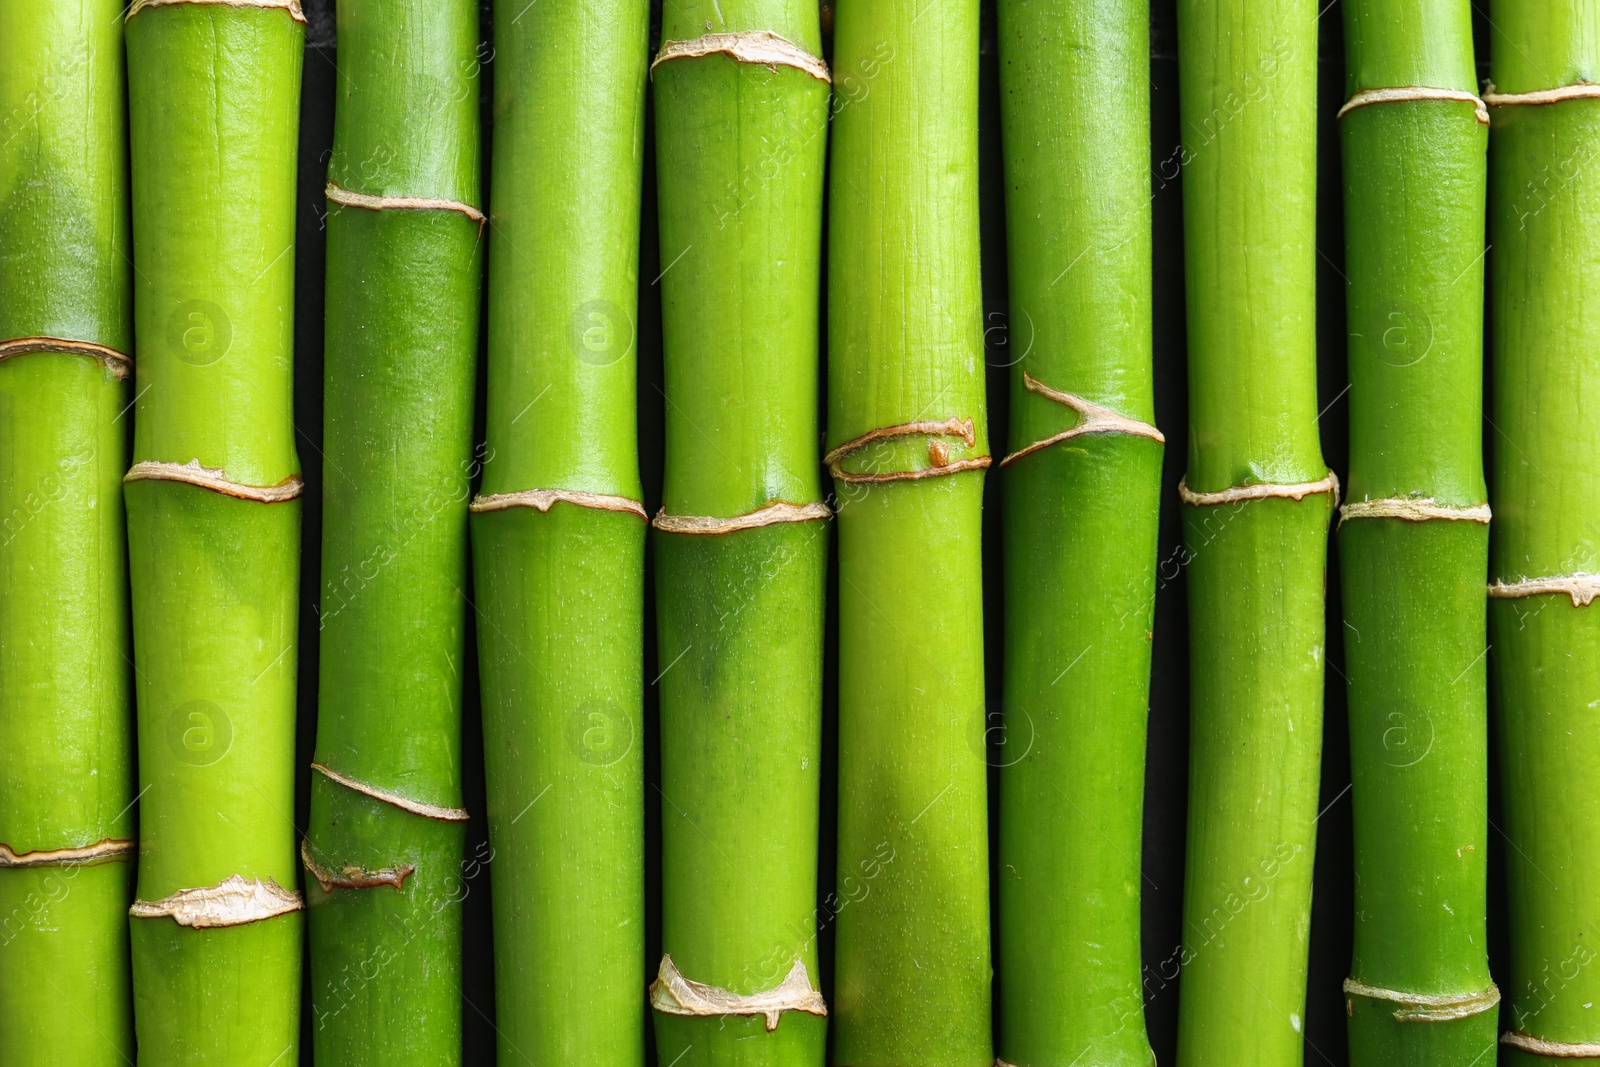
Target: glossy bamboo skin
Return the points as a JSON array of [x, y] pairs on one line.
[[1257, 566], [560, 592], [215, 576], [1080, 534], [1545, 290], [401, 354], [740, 149], [66, 722], [1416, 624], [912, 972]]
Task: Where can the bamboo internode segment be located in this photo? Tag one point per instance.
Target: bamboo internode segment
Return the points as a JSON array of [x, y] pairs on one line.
[[1576, 91], [674, 994], [1420, 510], [1095, 419], [214, 479], [1261, 491], [416, 807], [116, 362], [759, 47], [1557, 1050], [1582, 588], [349, 877], [349, 198], [291, 6], [111, 848], [777, 512], [545, 499], [1404, 93], [1427, 1007], [235, 901], [937, 454]]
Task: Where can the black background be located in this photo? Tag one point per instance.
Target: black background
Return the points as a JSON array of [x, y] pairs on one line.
[[1167, 768]]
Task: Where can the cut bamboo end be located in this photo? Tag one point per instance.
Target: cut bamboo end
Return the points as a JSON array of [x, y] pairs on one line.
[[1406, 93], [1261, 491], [757, 47], [116, 362], [545, 499], [1559, 1050], [215, 479], [1094, 420], [1577, 91], [673, 994], [1422, 510], [108, 850], [771, 515], [235, 901], [938, 454], [291, 6], [1426, 1007], [349, 198], [1582, 588], [415, 807], [351, 877]]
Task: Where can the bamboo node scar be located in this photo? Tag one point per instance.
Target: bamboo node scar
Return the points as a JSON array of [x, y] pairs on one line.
[[111, 848], [337, 194], [757, 47], [1557, 1050], [1403, 93], [415, 807], [214, 478], [1260, 491], [1424, 1007], [1092, 419], [673, 994], [778, 511], [545, 499], [1412, 510], [1578, 91], [938, 453], [234, 901], [115, 362], [291, 6], [351, 877], [1582, 588]]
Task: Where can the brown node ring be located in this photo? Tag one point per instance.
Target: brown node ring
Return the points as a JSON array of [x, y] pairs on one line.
[[337, 194], [1559, 1050], [1578, 91], [756, 47], [104, 851], [415, 807], [673, 994], [938, 453], [1404, 93], [234, 901], [1093, 419], [214, 478], [116, 362], [1259, 491], [291, 6], [1425, 1007], [544, 499], [351, 877], [1582, 588], [779, 511]]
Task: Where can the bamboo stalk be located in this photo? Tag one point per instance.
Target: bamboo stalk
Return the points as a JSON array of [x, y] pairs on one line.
[[1545, 229], [742, 539], [214, 529], [908, 444], [1082, 500], [1414, 537], [384, 847], [66, 725], [1257, 500], [558, 534]]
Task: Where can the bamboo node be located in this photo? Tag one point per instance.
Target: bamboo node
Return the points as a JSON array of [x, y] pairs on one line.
[[673, 994], [1259, 491], [415, 807], [215, 479], [1577, 91], [1403, 93], [1582, 588], [938, 457], [1412, 510], [779, 511], [104, 851], [350, 198], [545, 499], [234, 901], [1092, 419], [1426, 1007], [1557, 1050], [115, 362], [291, 6], [758, 47], [351, 877]]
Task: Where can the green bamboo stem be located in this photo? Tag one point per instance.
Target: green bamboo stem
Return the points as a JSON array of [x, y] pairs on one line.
[[1414, 537], [558, 534], [1257, 502], [1080, 531], [384, 847], [908, 445], [1545, 230], [214, 529], [66, 725], [742, 537]]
